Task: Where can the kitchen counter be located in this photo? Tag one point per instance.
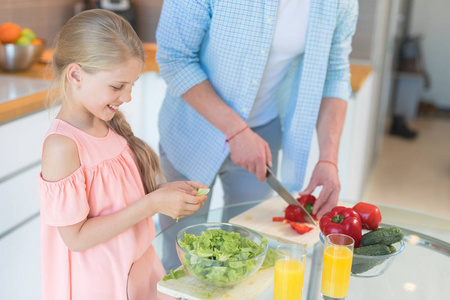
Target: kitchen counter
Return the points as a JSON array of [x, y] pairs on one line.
[[33, 102]]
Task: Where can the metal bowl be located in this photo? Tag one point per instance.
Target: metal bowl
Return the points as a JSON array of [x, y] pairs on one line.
[[19, 58]]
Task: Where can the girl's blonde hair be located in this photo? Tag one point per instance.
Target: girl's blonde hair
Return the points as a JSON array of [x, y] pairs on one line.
[[100, 40]]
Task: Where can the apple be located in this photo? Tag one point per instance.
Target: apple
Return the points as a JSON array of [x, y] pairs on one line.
[[27, 32]]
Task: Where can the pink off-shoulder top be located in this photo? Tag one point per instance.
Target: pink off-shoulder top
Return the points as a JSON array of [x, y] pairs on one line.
[[108, 180]]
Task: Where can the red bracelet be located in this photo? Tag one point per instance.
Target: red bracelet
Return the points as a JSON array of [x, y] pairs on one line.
[[328, 162], [233, 136]]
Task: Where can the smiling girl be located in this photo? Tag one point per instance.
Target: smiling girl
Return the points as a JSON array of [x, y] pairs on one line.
[[98, 186]]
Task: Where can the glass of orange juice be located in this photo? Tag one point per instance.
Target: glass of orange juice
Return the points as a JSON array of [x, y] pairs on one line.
[[337, 264], [289, 272]]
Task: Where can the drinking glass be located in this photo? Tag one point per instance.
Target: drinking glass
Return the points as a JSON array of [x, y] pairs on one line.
[[289, 272], [337, 264]]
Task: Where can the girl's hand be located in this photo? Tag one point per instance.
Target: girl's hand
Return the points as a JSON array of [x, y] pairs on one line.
[[190, 187], [251, 152], [176, 202], [325, 175]]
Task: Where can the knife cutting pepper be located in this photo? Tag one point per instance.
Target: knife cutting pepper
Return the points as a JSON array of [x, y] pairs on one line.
[[294, 213], [342, 220], [370, 215]]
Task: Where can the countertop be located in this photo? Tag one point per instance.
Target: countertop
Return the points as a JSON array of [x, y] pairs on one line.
[[30, 103]]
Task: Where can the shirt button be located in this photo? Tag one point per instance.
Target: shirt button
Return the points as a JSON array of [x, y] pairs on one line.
[[269, 21], [263, 52], [254, 82], [244, 109]]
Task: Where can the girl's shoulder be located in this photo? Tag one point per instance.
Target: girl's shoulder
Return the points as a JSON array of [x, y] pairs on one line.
[[60, 157]]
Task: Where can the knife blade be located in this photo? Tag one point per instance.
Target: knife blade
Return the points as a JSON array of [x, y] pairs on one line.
[[284, 193]]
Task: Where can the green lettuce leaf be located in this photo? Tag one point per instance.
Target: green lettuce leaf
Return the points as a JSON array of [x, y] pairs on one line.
[[226, 250]]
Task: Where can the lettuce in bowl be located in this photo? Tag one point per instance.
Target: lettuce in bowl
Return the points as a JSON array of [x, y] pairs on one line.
[[221, 254]]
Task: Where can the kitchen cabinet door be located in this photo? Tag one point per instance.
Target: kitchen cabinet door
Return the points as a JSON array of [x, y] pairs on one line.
[[20, 270]]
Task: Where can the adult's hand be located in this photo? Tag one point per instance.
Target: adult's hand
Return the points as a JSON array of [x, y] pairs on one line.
[[325, 175], [251, 152]]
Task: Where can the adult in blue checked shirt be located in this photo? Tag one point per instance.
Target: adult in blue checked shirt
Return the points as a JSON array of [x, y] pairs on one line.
[[280, 67]]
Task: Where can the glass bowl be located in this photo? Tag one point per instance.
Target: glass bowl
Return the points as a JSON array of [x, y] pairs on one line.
[[372, 266], [220, 273], [18, 57]]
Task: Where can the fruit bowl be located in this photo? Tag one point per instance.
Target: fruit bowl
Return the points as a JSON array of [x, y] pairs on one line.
[[19, 57], [221, 254], [372, 266]]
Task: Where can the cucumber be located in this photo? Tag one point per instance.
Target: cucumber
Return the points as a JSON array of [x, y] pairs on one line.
[[361, 265], [392, 249], [372, 250], [384, 236]]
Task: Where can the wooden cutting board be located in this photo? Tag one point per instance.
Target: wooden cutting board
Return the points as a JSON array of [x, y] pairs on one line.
[[190, 288], [259, 218]]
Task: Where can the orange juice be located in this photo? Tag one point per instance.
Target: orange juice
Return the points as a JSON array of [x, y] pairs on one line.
[[288, 282], [337, 264]]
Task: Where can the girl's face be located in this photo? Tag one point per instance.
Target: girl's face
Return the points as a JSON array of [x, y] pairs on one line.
[[100, 94]]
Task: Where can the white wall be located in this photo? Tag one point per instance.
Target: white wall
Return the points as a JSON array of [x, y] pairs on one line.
[[430, 19]]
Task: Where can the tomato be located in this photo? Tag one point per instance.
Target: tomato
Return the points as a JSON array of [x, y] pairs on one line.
[[300, 228], [278, 219], [370, 215]]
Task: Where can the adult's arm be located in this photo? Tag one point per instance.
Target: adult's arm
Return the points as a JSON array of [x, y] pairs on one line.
[[181, 31], [337, 91]]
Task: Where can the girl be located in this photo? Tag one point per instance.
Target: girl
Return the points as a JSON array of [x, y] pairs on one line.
[[98, 185]]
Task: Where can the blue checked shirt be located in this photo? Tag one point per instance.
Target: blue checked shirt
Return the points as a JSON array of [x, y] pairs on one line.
[[222, 41]]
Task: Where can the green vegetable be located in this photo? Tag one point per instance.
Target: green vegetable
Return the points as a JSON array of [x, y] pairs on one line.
[[361, 265], [385, 236], [225, 252], [269, 260], [392, 249], [201, 192], [372, 250], [174, 275]]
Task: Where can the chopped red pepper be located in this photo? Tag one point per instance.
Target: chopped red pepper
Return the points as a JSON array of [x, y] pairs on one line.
[[370, 215], [294, 213], [342, 220], [307, 201], [300, 228]]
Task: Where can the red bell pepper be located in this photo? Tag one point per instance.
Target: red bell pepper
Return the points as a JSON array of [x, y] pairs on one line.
[[300, 228], [370, 215], [294, 213], [342, 220], [307, 201]]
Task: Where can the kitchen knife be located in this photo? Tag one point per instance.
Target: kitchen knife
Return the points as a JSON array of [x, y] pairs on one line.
[[284, 193]]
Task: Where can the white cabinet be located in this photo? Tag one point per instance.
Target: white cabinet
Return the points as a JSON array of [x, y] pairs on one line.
[[21, 142], [19, 199], [20, 270], [20, 157]]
